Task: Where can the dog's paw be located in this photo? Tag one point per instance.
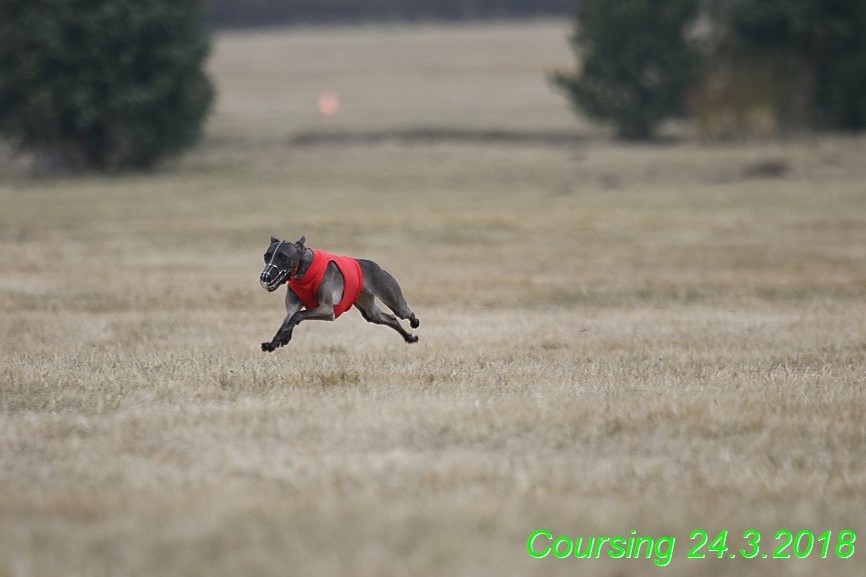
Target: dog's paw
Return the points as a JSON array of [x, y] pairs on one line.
[[268, 347], [412, 339], [414, 322]]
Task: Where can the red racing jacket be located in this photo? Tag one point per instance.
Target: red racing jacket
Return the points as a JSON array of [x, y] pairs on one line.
[[307, 286]]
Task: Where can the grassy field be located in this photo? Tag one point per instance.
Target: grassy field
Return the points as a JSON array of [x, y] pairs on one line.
[[614, 337]]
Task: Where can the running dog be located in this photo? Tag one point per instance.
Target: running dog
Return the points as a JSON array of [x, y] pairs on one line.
[[322, 286]]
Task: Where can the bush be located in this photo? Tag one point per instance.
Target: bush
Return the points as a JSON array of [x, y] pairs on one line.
[[818, 51], [636, 62], [108, 84]]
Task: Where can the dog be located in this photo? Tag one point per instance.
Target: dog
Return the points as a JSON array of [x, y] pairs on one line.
[[322, 286]]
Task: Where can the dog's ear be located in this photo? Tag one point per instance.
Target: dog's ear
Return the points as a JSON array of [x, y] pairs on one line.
[[273, 240], [301, 241]]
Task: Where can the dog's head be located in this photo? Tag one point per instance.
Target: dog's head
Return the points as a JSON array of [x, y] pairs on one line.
[[281, 260]]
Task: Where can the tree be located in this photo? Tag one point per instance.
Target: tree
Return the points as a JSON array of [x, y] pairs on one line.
[[109, 84], [636, 62], [817, 51]]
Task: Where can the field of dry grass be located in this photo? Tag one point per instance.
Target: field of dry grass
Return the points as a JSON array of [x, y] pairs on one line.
[[614, 337]]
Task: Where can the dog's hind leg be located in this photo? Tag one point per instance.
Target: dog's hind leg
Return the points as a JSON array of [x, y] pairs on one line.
[[371, 312], [384, 286]]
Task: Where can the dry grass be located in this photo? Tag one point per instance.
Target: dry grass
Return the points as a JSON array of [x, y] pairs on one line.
[[613, 337]]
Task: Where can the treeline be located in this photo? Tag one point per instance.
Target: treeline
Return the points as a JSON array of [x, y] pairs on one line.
[[249, 13], [734, 67]]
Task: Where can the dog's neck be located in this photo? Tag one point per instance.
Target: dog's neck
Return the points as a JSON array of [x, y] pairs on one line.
[[303, 263]]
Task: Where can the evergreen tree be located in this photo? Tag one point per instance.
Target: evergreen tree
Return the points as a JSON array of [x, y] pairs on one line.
[[636, 62], [818, 51], [108, 84]]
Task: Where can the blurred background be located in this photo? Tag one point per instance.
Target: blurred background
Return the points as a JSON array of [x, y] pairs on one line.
[[121, 85], [226, 13]]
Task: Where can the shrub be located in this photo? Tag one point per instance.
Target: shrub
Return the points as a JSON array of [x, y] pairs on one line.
[[108, 84], [636, 62], [818, 51]]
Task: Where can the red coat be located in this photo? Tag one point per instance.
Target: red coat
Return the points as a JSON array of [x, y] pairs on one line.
[[307, 286]]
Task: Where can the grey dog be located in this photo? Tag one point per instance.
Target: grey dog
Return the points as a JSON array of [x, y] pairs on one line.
[[317, 283]]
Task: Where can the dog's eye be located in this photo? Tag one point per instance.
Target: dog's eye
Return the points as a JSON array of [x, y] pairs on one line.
[[267, 257]]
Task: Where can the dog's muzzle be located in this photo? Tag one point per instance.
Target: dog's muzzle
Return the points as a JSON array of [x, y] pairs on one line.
[[272, 277]]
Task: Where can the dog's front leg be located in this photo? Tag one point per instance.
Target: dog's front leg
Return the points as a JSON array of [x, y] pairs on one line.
[[283, 336], [284, 333], [324, 312]]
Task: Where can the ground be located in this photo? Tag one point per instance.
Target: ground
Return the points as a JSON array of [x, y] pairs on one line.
[[660, 338]]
